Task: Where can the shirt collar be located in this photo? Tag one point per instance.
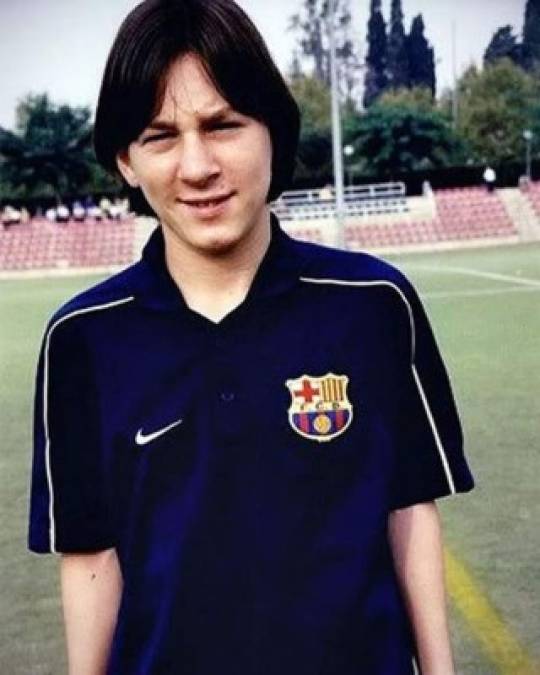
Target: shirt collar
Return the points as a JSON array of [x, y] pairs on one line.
[[279, 270]]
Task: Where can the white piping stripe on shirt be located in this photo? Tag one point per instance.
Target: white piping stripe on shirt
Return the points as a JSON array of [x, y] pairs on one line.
[[339, 282], [436, 436], [85, 310], [438, 442]]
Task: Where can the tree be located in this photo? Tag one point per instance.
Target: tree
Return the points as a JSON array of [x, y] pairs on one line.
[[398, 65], [295, 69], [309, 24], [50, 152], [496, 105], [395, 139], [313, 99], [312, 26], [534, 127], [531, 32], [315, 145], [314, 159], [421, 57], [375, 80], [504, 44], [418, 99]]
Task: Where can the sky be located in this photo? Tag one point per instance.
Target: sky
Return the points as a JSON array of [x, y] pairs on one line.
[[60, 46]]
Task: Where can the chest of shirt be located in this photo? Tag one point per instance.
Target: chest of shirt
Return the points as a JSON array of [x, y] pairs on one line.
[[314, 371]]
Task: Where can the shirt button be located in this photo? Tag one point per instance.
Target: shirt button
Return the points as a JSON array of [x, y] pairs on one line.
[[227, 396]]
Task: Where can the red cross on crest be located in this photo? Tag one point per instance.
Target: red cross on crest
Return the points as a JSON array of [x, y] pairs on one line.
[[307, 392]]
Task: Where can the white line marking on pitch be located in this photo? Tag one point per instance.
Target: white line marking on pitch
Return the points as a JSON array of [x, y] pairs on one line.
[[482, 275], [479, 292]]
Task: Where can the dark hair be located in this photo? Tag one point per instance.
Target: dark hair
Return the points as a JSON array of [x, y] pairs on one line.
[[232, 52]]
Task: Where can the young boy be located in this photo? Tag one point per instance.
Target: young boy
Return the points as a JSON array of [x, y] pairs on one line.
[[238, 440]]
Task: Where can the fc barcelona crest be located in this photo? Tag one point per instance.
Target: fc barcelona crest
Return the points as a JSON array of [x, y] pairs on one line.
[[320, 409]]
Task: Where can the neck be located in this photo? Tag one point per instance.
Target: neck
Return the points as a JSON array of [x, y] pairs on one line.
[[214, 283]]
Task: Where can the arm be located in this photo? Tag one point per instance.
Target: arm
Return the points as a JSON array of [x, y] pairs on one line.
[[416, 543], [91, 591]]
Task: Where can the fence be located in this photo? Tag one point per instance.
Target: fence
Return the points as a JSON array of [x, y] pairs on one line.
[[360, 200]]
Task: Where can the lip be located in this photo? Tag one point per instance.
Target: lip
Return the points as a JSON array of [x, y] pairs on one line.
[[216, 207]]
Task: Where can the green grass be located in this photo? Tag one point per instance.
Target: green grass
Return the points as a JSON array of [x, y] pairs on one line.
[[30, 618], [491, 346]]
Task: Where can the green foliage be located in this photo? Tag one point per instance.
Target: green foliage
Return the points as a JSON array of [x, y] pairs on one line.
[[375, 80], [50, 152], [398, 62], [394, 138], [421, 57], [101, 181], [315, 147], [314, 159], [418, 99], [504, 44], [495, 106], [313, 99], [534, 126], [311, 25], [531, 32]]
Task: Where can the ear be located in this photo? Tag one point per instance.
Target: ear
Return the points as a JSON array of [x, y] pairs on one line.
[[123, 162]]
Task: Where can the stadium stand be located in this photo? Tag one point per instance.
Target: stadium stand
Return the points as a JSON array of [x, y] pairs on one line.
[[375, 236], [41, 245], [459, 215], [378, 218], [313, 234], [471, 213], [532, 192]]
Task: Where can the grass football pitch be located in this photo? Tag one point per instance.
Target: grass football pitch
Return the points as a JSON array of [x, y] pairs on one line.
[[485, 309]]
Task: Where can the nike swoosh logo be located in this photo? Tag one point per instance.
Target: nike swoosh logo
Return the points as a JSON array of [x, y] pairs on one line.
[[143, 439]]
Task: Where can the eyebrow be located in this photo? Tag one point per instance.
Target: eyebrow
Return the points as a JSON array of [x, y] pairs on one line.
[[205, 117]]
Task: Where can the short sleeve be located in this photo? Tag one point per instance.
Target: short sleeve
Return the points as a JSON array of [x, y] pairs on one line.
[[68, 506], [430, 462]]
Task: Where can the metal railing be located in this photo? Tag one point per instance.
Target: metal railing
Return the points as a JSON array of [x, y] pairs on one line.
[[360, 200]]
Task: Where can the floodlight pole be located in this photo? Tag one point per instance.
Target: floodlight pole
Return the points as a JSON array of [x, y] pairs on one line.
[[528, 136], [455, 93], [336, 132]]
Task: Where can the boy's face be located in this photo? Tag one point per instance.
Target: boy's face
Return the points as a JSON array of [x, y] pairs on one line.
[[204, 168]]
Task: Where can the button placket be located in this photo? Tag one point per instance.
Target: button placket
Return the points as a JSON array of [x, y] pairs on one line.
[[225, 376]]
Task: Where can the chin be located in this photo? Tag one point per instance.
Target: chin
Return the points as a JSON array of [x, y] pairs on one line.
[[224, 239], [222, 247], [218, 244]]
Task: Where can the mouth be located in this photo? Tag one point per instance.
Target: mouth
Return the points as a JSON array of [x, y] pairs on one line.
[[207, 207]]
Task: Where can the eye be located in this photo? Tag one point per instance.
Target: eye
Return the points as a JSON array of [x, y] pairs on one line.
[[224, 125], [155, 137]]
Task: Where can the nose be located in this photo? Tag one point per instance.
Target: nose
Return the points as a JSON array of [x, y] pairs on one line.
[[197, 163]]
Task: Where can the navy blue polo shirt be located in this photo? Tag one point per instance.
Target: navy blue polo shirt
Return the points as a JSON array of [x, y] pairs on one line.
[[244, 470]]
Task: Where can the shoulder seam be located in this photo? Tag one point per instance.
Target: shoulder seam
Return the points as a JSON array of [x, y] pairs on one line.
[[425, 403], [69, 315], [372, 283]]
